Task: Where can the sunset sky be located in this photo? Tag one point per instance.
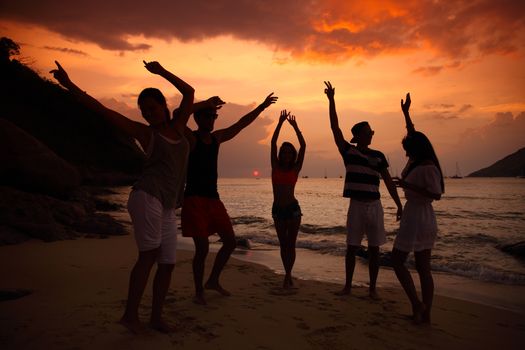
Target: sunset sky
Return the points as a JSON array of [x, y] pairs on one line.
[[462, 61]]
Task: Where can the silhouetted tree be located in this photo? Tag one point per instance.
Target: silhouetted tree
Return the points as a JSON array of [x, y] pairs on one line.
[[8, 48]]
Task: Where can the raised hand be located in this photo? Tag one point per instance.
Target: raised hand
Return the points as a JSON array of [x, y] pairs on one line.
[[284, 115], [292, 121], [216, 102], [154, 67], [330, 90], [406, 105], [270, 99], [60, 75]]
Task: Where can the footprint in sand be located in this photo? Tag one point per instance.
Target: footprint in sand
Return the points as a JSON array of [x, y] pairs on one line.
[[303, 325], [282, 291]]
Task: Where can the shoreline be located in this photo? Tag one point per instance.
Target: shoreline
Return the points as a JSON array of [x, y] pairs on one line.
[[79, 289], [310, 265]]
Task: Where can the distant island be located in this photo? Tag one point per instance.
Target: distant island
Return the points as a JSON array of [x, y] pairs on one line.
[[512, 165]]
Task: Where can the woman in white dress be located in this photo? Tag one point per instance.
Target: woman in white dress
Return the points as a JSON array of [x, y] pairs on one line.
[[422, 182]]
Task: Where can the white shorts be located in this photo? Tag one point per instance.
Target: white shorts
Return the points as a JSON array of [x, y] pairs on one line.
[[418, 228], [365, 218], [154, 226]]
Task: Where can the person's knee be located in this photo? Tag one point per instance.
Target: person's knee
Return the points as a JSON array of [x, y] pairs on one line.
[[148, 257], [423, 268], [229, 242], [201, 251], [166, 268], [373, 252], [398, 259], [351, 251]]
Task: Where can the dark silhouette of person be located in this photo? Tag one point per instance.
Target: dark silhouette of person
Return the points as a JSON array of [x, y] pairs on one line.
[[286, 211], [422, 181], [364, 168], [203, 213], [158, 191]]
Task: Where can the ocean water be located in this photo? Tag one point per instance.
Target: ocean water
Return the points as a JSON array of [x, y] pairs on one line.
[[475, 216]]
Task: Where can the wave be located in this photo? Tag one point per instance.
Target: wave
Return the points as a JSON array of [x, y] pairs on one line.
[[480, 272], [249, 220], [322, 230], [466, 269]]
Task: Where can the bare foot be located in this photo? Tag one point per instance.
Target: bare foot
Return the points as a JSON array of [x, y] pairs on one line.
[[199, 299], [134, 326], [418, 312], [426, 316], [162, 326], [373, 295], [287, 283], [217, 287], [344, 291]]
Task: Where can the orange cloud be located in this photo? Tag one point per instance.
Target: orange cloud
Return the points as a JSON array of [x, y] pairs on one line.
[[319, 30]]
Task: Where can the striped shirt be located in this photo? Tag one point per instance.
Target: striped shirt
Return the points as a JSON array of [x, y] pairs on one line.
[[363, 171]]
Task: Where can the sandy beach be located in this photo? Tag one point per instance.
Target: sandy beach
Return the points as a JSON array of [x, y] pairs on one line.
[[78, 289]]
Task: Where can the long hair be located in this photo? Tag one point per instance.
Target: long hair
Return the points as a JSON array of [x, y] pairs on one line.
[[156, 95], [294, 156], [419, 149]]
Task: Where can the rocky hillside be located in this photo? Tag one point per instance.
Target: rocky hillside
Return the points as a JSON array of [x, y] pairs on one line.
[[511, 166], [79, 136], [52, 152]]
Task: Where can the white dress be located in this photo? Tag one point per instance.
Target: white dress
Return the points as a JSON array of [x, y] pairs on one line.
[[418, 228]]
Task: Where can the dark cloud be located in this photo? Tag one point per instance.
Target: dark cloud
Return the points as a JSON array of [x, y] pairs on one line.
[[498, 138], [439, 106], [428, 71], [66, 50], [465, 108], [324, 30]]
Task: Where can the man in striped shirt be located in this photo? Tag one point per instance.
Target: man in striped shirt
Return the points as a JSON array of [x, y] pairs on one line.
[[364, 167]]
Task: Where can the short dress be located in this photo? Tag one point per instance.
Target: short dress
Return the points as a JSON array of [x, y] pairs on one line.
[[418, 228]]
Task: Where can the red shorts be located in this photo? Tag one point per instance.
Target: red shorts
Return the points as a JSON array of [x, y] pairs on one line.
[[203, 216]]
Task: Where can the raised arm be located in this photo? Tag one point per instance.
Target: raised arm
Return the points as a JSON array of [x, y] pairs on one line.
[[391, 187], [275, 136], [186, 105], [302, 142], [405, 108], [212, 102], [224, 135], [132, 128], [334, 122]]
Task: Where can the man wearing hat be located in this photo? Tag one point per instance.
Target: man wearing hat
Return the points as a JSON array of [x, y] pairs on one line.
[[364, 167]]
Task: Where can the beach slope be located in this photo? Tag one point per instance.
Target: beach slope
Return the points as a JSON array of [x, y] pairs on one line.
[[77, 291]]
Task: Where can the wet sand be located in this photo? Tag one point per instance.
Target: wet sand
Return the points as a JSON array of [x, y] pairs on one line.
[[78, 290]]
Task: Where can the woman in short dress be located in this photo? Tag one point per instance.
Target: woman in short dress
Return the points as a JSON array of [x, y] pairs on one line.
[[422, 182]]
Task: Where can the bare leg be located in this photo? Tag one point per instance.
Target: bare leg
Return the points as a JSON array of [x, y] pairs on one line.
[[404, 277], [373, 270], [201, 251], [137, 283], [291, 239], [161, 284], [228, 246], [426, 280], [349, 269], [280, 228]]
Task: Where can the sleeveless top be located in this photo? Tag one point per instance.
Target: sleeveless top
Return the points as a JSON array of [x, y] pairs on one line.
[[283, 177], [202, 169], [165, 170]]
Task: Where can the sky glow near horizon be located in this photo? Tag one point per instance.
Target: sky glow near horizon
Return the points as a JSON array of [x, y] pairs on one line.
[[462, 61]]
